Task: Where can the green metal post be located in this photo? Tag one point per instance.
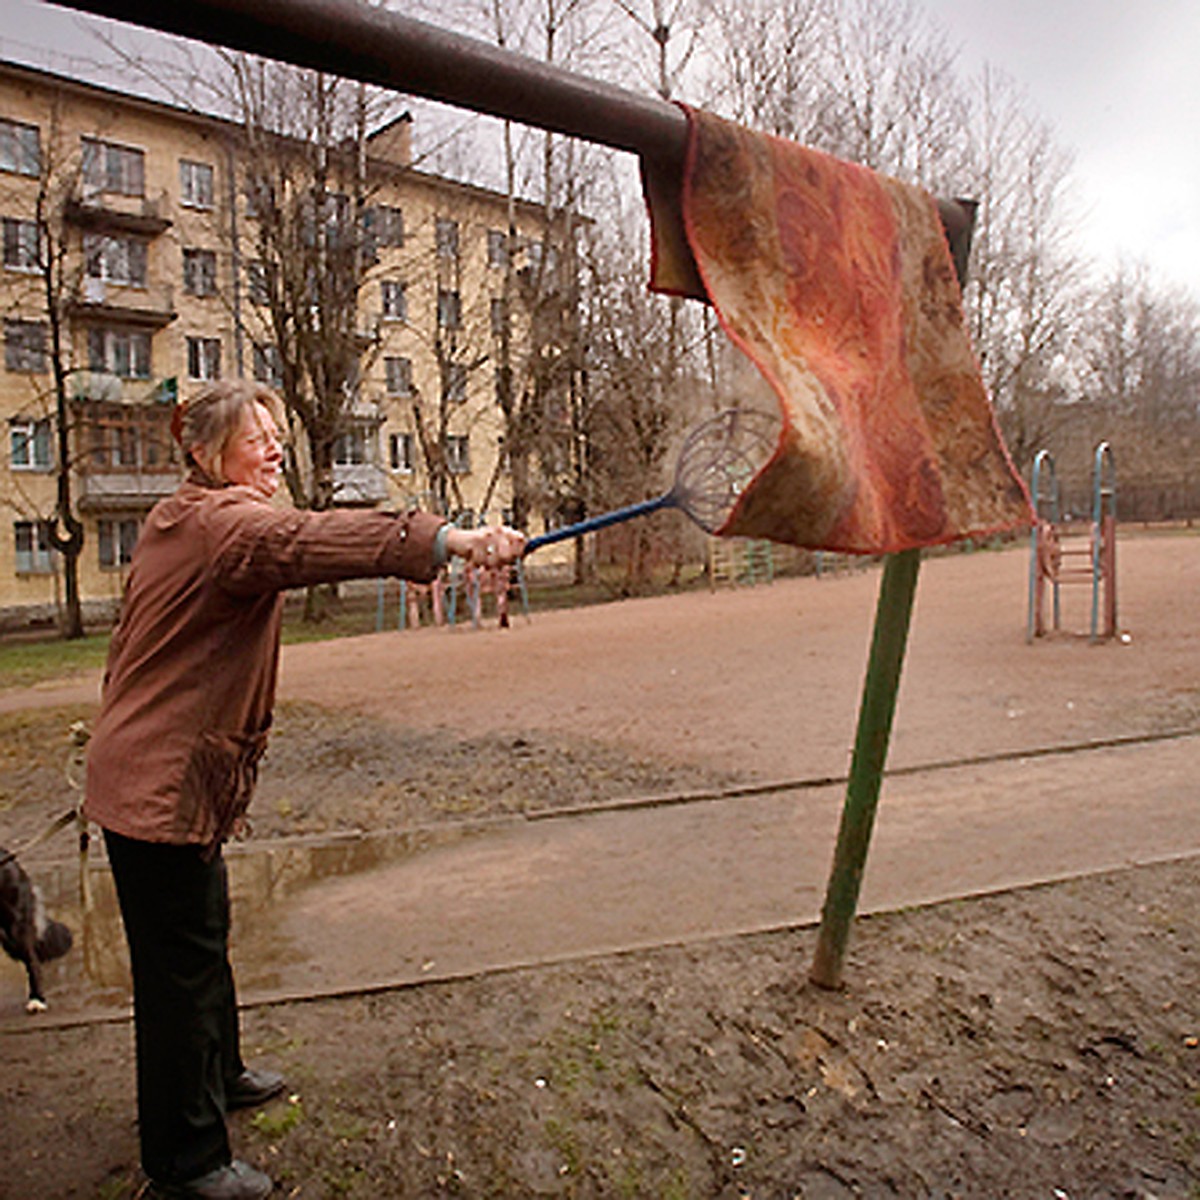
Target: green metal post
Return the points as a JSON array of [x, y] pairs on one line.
[[1104, 506], [892, 615]]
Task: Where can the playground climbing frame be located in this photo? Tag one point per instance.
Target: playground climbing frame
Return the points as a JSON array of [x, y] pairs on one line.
[[1055, 558]]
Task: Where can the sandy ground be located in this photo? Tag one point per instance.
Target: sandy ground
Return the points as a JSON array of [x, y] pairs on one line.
[[1036, 1042]]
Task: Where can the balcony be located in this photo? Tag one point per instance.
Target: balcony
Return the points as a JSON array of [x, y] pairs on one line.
[[133, 490], [359, 484], [123, 449], [107, 212], [97, 386], [150, 307]]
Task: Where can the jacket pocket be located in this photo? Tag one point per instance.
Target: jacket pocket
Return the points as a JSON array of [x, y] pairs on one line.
[[219, 782]]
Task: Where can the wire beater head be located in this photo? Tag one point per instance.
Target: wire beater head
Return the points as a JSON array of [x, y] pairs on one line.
[[718, 459]]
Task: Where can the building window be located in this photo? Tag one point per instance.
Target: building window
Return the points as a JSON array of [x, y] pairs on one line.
[[35, 554], [446, 233], [398, 376], [121, 437], [385, 225], [200, 272], [116, 538], [108, 167], [497, 248], [119, 352], [542, 257], [394, 296], [454, 389], [449, 308], [30, 445], [499, 316], [20, 148], [115, 446], [502, 383], [458, 454], [341, 221], [258, 282], [259, 197], [195, 184], [350, 449], [22, 243], [25, 346], [204, 358], [115, 259], [267, 366], [157, 447], [400, 453]]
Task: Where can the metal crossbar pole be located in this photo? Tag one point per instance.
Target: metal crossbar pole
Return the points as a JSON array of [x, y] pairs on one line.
[[380, 46], [375, 45]]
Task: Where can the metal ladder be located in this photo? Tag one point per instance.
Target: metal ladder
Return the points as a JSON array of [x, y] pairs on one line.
[[1052, 563]]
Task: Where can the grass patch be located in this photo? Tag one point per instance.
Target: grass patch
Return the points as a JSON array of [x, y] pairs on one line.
[[565, 1143], [342, 1182], [278, 1119], [25, 663], [116, 1189], [348, 1127]]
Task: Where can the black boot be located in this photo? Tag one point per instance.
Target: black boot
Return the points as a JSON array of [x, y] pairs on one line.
[[252, 1088], [234, 1181]]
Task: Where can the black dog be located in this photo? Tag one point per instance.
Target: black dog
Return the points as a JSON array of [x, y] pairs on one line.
[[26, 933]]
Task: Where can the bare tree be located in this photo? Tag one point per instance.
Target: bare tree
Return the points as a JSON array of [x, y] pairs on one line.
[[1142, 347], [539, 373], [44, 246], [460, 341], [639, 398], [1141, 387], [633, 419], [303, 160], [1024, 285], [776, 92], [888, 96]]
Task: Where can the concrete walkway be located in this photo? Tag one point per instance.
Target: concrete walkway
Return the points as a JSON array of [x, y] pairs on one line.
[[556, 889]]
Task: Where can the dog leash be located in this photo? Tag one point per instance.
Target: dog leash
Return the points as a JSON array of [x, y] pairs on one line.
[[78, 735], [59, 822]]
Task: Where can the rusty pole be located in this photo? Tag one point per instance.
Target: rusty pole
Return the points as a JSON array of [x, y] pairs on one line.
[[375, 45]]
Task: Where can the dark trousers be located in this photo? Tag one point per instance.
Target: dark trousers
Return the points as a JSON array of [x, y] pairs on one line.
[[175, 906]]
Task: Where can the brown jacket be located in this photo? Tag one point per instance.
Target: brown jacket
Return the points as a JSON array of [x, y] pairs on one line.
[[190, 682]]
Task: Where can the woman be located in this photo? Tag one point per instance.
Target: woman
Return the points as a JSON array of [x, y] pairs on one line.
[[185, 710]]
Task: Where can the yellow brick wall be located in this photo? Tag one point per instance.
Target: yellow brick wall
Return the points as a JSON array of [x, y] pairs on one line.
[[64, 113]]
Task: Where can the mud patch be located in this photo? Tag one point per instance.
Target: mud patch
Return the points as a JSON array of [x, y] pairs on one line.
[[1039, 1043]]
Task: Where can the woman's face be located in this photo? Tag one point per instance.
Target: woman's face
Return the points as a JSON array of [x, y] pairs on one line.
[[254, 454]]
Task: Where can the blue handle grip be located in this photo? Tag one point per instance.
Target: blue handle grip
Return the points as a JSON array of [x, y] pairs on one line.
[[641, 509]]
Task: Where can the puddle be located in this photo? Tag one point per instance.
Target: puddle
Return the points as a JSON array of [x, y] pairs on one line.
[[265, 880]]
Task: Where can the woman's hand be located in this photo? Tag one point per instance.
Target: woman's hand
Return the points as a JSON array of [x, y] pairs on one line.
[[491, 546]]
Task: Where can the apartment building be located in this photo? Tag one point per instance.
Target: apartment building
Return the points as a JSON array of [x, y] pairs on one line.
[[160, 290]]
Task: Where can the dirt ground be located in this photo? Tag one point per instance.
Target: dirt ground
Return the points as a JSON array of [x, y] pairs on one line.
[[1039, 1042]]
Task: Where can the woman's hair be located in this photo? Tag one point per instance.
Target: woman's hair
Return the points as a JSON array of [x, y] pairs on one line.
[[214, 414]]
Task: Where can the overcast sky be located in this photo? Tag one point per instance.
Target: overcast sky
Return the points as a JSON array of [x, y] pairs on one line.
[[1119, 81]]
